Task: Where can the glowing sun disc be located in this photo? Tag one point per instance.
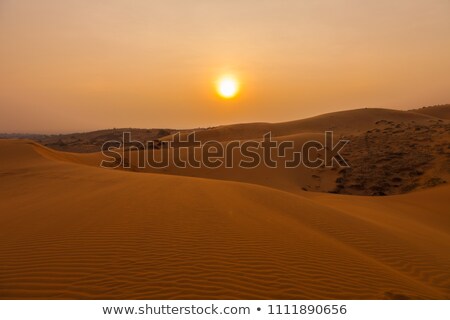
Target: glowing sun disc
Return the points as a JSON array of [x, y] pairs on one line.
[[227, 87]]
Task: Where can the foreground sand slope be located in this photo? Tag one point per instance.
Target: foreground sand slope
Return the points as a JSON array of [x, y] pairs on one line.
[[74, 231]]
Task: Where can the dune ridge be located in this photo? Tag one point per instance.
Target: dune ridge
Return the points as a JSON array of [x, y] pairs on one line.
[[389, 152]]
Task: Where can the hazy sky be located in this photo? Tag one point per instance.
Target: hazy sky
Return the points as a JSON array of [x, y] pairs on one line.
[[77, 65]]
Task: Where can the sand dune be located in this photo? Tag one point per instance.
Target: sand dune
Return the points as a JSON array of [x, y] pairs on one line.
[[288, 179], [69, 230], [342, 122], [390, 152], [439, 111]]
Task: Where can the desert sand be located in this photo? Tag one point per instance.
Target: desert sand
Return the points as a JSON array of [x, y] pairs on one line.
[[72, 230]]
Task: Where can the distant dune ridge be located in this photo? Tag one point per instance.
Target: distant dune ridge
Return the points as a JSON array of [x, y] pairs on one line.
[[390, 151], [70, 229]]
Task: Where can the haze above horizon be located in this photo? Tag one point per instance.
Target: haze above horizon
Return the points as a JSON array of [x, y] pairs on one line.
[[85, 65]]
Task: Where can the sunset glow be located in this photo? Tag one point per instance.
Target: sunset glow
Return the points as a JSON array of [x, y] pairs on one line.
[[98, 65]]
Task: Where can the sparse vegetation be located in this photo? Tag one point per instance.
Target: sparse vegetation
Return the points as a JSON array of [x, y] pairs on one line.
[[395, 158]]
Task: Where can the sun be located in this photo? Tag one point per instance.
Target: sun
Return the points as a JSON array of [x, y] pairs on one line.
[[227, 87]]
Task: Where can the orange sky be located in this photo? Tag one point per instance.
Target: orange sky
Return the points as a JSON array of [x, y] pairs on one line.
[[78, 65]]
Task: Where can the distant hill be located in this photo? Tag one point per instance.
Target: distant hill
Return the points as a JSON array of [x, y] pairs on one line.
[[87, 142], [438, 111]]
